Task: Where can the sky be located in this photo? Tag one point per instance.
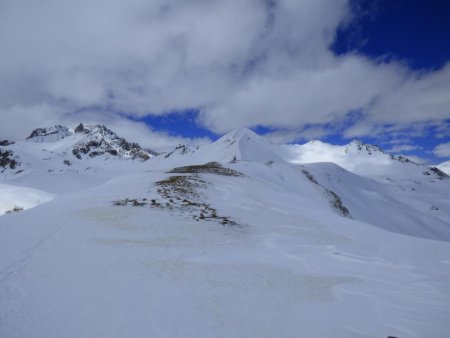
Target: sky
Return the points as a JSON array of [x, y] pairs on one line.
[[165, 72]]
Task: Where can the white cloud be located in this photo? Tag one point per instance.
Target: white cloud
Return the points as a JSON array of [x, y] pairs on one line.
[[152, 139], [419, 97], [442, 129], [401, 148], [242, 63], [18, 121], [442, 150]]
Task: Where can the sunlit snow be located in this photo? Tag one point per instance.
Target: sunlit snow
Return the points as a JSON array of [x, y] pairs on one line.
[[258, 243]]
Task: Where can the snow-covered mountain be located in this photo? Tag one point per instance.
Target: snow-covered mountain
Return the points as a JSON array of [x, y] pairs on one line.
[[238, 145], [360, 158], [87, 154], [96, 140], [49, 134], [240, 237], [100, 140]]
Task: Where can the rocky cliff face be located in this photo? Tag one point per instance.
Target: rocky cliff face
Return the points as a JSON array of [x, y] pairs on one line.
[[8, 160]]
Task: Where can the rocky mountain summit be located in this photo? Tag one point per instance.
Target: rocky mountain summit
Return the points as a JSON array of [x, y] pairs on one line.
[[371, 149], [100, 140], [55, 149], [180, 149], [91, 141], [49, 134]]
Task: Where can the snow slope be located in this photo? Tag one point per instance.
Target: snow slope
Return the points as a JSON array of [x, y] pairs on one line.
[[248, 246], [445, 167], [419, 209], [390, 192], [26, 198]]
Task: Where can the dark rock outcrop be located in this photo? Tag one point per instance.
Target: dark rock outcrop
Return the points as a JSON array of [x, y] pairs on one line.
[[8, 160]]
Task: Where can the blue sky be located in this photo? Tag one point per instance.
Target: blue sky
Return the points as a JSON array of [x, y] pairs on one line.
[[163, 73]]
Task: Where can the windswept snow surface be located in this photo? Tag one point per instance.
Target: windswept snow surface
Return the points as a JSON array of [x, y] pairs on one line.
[[256, 248]]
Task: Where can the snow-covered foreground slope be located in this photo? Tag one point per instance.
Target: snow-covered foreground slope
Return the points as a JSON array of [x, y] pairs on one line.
[[284, 265], [248, 246]]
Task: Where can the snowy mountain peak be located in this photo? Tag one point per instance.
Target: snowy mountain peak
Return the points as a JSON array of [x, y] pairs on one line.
[[84, 128], [244, 144], [242, 133], [356, 145], [49, 134], [100, 140], [180, 149]]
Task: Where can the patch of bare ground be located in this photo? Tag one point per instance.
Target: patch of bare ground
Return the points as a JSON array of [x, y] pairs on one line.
[[182, 194], [207, 168]]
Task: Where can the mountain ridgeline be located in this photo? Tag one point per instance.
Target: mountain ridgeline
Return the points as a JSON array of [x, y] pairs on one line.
[[99, 142], [92, 141]]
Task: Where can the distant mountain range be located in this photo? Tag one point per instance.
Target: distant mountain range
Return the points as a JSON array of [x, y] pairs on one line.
[[93, 141]]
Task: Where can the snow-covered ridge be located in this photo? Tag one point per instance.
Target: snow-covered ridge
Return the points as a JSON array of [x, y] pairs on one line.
[[49, 134], [180, 149], [238, 145], [371, 149], [360, 158]]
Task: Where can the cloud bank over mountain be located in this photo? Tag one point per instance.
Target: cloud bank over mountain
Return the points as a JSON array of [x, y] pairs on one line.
[[240, 63]]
